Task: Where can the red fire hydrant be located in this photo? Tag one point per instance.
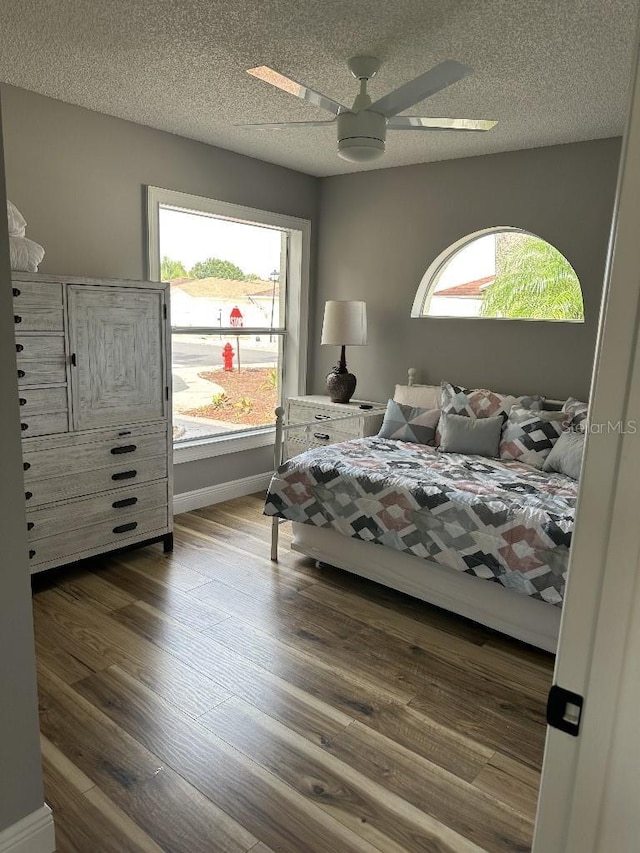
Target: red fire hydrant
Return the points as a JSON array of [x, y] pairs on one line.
[[227, 356]]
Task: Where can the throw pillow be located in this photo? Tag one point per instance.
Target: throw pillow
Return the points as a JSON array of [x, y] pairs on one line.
[[424, 396], [579, 412], [482, 403], [566, 455], [461, 434], [409, 423], [530, 434]]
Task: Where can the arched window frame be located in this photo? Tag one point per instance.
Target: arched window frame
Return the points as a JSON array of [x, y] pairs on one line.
[[425, 290]]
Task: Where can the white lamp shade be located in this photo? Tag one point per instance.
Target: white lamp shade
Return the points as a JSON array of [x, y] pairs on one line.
[[344, 323]]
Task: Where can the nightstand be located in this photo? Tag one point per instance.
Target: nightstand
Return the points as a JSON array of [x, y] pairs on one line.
[[316, 408]]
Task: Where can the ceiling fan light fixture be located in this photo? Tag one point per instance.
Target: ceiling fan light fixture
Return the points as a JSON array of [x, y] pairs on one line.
[[360, 149]]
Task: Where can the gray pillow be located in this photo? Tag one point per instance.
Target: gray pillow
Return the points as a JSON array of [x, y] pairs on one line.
[[409, 423], [460, 434], [566, 455]]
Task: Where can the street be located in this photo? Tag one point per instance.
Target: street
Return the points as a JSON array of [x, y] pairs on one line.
[[208, 356]]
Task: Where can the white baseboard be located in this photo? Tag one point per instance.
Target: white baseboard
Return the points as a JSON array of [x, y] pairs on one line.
[[33, 834], [186, 501]]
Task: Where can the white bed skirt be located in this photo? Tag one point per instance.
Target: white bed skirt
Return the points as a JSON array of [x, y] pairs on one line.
[[490, 604]]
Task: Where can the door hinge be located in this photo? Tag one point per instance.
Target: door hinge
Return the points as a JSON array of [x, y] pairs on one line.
[[564, 710], [166, 392], [164, 310]]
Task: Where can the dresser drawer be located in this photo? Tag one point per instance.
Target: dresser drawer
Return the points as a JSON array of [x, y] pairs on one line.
[[350, 428], [42, 401], [44, 424], [90, 456], [40, 360], [111, 533], [108, 506], [65, 486], [37, 306]]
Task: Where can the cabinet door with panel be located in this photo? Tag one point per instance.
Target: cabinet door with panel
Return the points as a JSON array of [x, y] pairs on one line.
[[116, 341]]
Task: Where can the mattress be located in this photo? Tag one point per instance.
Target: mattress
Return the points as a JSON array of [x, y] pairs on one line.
[[502, 521]]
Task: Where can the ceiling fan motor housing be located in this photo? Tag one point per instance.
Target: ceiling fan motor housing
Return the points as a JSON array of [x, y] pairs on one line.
[[361, 135]]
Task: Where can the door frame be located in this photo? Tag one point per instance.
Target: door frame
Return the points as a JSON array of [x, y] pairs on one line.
[[600, 607]]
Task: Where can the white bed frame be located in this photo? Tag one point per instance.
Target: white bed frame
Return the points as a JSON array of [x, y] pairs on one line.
[[520, 616]]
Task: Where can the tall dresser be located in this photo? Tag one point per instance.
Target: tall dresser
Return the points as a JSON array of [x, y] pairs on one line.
[[94, 377]]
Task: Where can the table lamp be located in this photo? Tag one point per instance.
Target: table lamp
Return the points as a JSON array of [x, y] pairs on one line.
[[345, 323]]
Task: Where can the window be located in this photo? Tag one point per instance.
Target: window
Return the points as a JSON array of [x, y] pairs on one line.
[[501, 273], [238, 280]]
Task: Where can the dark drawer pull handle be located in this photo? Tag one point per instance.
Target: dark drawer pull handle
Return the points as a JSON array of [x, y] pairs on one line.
[[323, 436], [125, 432], [21, 374], [26, 466], [124, 475], [16, 292], [124, 502], [123, 528], [22, 401], [19, 347], [24, 426], [28, 496], [322, 417], [17, 318], [32, 554], [126, 448], [30, 525]]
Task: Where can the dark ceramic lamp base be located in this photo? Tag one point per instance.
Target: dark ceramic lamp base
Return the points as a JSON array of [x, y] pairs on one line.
[[341, 386]]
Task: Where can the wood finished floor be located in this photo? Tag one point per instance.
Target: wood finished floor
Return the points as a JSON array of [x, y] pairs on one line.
[[210, 701]]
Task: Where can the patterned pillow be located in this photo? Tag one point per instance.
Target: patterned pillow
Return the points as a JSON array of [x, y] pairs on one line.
[[530, 434], [481, 403], [409, 423], [579, 412]]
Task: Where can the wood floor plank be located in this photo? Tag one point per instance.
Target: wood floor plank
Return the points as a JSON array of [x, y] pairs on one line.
[[510, 781], [383, 818], [195, 612], [80, 585], [83, 812], [447, 798], [518, 672], [133, 777], [253, 573], [165, 568], [256, 798], [55, 657], [375, 706], [109, 642]]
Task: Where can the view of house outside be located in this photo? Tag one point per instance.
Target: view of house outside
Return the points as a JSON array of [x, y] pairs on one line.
[[508, 275], [225, 278]]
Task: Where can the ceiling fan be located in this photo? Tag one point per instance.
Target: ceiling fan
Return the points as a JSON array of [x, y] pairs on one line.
[[362, 128]]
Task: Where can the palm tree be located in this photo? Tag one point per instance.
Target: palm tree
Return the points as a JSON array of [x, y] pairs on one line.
[[534, 282]]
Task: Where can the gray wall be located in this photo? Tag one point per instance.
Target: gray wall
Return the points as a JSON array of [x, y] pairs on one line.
[[380, 230], [20, 772], [78, 177]]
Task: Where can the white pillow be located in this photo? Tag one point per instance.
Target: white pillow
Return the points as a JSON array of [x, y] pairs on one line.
[[421, 396], [26, 255], [17, 223]]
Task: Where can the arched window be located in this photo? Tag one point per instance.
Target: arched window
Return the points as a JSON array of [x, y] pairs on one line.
[[504, 273]]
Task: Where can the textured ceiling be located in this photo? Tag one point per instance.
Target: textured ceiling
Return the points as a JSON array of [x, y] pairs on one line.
[[550, 71]]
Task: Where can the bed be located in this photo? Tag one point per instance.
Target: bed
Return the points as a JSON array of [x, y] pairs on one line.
[[485, 538]]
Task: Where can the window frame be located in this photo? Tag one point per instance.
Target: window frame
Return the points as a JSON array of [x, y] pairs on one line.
[[296, 330], [425, 291]]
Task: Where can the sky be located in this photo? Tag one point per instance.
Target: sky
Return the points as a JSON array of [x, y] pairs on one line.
[[190, 237]]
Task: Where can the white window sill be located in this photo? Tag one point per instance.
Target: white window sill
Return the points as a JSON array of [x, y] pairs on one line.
[[221, 445]]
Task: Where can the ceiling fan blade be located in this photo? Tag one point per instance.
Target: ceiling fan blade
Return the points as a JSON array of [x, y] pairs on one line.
[[287, 84], [284, 125], [423, 123], [422, 87]]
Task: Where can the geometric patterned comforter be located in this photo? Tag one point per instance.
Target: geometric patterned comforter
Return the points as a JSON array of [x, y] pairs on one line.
[[498, 520]]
